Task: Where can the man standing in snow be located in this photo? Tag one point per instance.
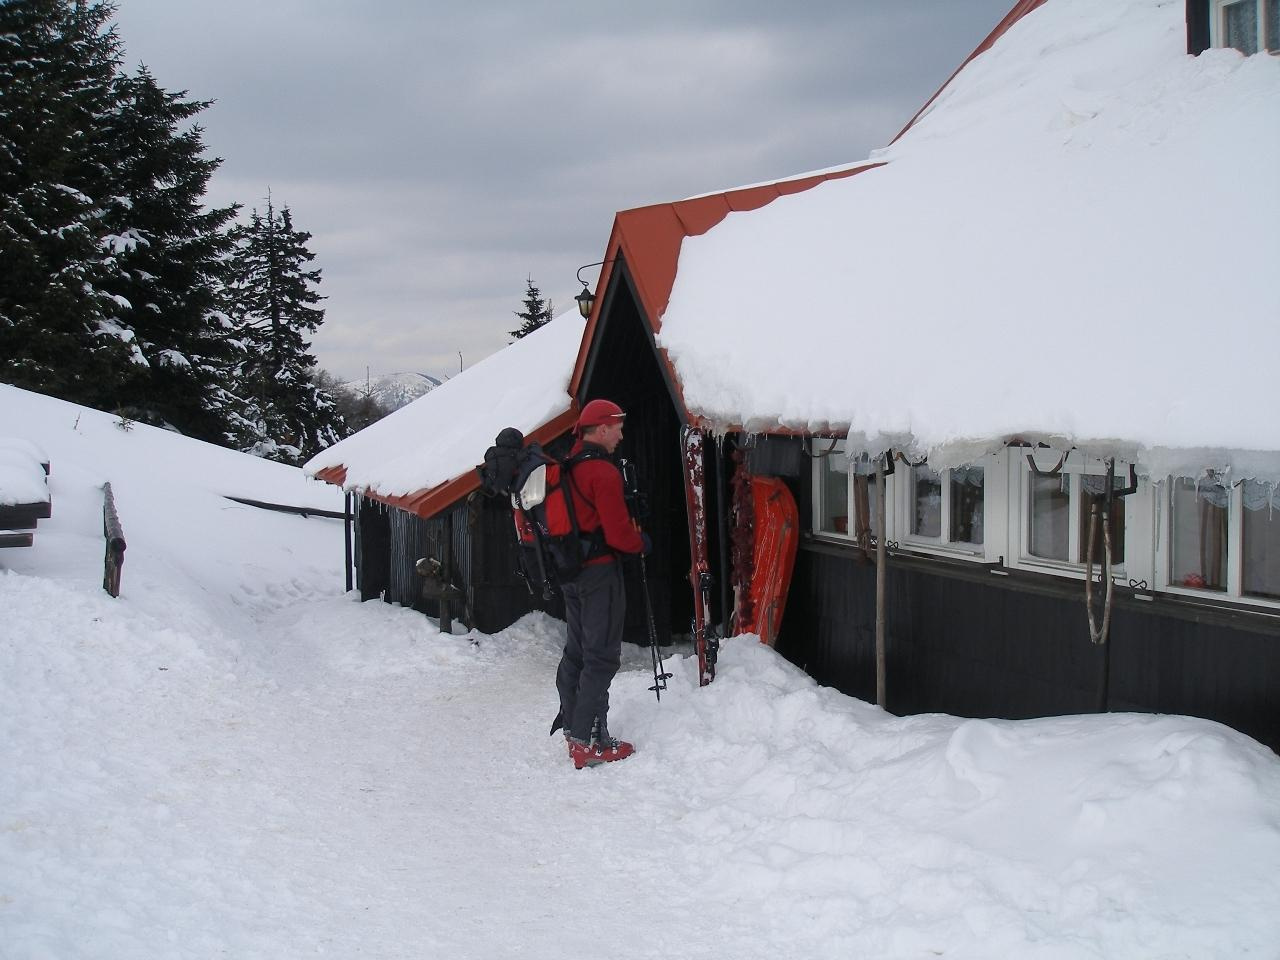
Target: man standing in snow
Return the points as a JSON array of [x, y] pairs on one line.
[[594, 600]]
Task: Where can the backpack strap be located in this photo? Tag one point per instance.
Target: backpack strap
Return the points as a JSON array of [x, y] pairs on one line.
[[595, 541]]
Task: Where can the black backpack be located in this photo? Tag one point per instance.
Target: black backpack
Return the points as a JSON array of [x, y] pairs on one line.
[[553, 549]]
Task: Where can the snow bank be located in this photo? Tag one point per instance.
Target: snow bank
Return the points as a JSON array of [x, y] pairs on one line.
[[445, 433], [1076, 242], [170, 493], [863, 834]]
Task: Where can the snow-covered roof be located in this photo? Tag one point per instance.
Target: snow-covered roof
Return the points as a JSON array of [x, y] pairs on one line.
[[442, 435], [1077, 241]]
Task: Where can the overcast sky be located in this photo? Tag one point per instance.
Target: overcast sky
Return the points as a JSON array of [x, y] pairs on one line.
[[440, 153]]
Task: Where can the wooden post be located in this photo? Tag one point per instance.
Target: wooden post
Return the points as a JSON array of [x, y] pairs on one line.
[[346, 535], [446, 574], [722, 532], [881, 696], [113, 563]]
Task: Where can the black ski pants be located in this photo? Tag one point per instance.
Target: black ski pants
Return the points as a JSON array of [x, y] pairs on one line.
[[594, 606]]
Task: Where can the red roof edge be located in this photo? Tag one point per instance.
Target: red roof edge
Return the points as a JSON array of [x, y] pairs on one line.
[[649, 239], [426, 503], [335, 475], [1020, 10]]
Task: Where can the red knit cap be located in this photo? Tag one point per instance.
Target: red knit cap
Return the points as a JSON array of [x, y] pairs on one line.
[[598, 412]]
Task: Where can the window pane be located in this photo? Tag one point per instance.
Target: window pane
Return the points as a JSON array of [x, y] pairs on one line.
[[967, 485], [835, 494], [1093, 484], [1199, 538], [1273, 25], [1050, 516], [1261, 539], [1240, 26], [926, 513], [866, 508]]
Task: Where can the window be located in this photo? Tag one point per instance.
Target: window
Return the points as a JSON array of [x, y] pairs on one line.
[[946, 508], [1247, 25], [846, 503], [927, 510], [1199, 537], [833, 493], [1198, 540], [1260, 540], [1224, 539], [1058, 512]]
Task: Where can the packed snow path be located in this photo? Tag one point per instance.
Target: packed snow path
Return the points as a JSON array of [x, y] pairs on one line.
[[349, 782]]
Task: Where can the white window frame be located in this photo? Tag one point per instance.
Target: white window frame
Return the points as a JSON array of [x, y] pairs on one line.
[[986, 552], [1007, 523], [900, 499], [1137, 566], [819, 472], [1218, 21], [1234, 594], [819, 494]]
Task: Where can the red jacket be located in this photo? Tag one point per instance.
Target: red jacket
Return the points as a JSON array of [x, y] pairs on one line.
[[596, 486]]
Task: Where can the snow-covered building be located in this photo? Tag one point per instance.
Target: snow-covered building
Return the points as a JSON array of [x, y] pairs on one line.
[[418, 494], [1061, 270]]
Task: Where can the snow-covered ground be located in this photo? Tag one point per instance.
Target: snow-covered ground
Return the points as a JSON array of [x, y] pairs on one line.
[[236, 760]]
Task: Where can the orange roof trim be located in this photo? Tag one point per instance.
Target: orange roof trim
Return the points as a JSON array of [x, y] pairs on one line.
[[1020, 10], [428, 502], [649, 240]]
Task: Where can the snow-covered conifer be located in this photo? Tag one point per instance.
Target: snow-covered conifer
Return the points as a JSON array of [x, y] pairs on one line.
[[273, 303], [536, 313], [168, 255], [61, 328]]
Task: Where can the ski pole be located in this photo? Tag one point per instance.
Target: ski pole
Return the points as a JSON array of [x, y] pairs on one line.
[[638, 507], [660, 676]]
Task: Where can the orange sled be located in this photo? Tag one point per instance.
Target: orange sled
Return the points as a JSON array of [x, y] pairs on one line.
[[777, 535]]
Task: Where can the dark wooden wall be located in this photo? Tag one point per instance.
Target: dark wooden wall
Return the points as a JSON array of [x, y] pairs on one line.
[[973, 644], [1197, 26], [623, 367], [499, 596], [482, 552], [372, 549]]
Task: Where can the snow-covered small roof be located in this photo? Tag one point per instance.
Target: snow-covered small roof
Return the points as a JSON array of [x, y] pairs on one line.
[[22, 478], [441, 436], [1077, 240]]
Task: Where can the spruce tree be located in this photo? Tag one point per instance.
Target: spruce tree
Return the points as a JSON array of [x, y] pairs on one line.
[[60, 327], [536, 313], [274, 311], [168, 259]]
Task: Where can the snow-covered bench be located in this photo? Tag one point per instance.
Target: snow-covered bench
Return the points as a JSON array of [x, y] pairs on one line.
[[24, 491]]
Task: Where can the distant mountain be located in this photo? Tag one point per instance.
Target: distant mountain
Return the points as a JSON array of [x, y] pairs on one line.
[[393, 390]]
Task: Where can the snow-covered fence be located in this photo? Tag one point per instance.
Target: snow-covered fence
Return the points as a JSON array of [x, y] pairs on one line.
[[114, 534]]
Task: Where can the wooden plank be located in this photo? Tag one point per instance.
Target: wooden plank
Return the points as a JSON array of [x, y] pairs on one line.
[[16, 538], [22, 516], [287, 508], [113, 533]]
